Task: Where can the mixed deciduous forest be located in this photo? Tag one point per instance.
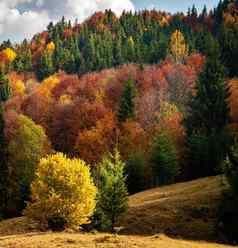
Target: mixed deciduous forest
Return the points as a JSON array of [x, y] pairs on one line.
[[92, 113]]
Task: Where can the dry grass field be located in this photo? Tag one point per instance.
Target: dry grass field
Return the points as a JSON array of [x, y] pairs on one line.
[[66, 240], [187, 210], [176, 216]]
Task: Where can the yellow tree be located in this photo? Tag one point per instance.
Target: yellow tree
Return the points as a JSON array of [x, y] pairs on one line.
[[50, 47], [63, 193], [10, 54], [178, 47], [163, 21], [7, 56]]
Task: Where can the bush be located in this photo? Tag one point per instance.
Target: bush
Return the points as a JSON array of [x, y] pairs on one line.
[[163, 159], [63, 192]]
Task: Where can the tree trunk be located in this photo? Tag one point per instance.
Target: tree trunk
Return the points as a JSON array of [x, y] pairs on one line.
[[113, 224]]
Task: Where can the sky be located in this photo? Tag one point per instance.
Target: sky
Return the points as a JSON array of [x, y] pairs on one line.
[[21, 19]]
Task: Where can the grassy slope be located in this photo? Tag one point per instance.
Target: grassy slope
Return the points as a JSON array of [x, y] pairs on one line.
[[186, 210]]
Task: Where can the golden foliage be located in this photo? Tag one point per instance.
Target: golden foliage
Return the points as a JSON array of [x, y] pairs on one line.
[[65, 99], [9, 54], [48, 85], [178, 47], [63, 188], [163, 21], [50, 47], [19, 87]]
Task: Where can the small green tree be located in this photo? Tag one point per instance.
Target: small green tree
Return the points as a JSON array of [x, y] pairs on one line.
[[163, 159], [127, 105], [113, 196]]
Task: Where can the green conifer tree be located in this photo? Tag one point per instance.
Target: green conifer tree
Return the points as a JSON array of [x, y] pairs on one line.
[[208, 117], [163, 159], [135, 171], [127, 105], [113, 196], [45, 66]]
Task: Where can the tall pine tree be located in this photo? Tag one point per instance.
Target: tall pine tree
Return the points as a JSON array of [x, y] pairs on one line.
[[45, 66], [208, 117]]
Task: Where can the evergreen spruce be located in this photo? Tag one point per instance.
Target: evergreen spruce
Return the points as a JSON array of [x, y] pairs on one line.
[[112, 188], [127, 105], [163, 159], [228, 36], [208, 117], [45, 66]]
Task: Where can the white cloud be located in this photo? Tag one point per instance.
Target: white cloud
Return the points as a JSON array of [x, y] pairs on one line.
[[13, 3], [17, 26], [21, 19], [83, 9]]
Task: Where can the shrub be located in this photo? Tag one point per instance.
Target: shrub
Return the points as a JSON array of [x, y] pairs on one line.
[[63, 190]]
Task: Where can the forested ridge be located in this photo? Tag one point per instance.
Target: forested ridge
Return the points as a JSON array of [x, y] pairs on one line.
[[133, 102], [105, 40]]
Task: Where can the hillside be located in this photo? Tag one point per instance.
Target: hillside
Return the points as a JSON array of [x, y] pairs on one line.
[[186, 210]]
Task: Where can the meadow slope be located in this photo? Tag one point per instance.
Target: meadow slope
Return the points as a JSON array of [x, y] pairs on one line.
[[187, 210], [181, 213]]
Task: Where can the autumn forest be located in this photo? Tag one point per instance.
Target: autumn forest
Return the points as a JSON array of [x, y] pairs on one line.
[[93, 112]]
